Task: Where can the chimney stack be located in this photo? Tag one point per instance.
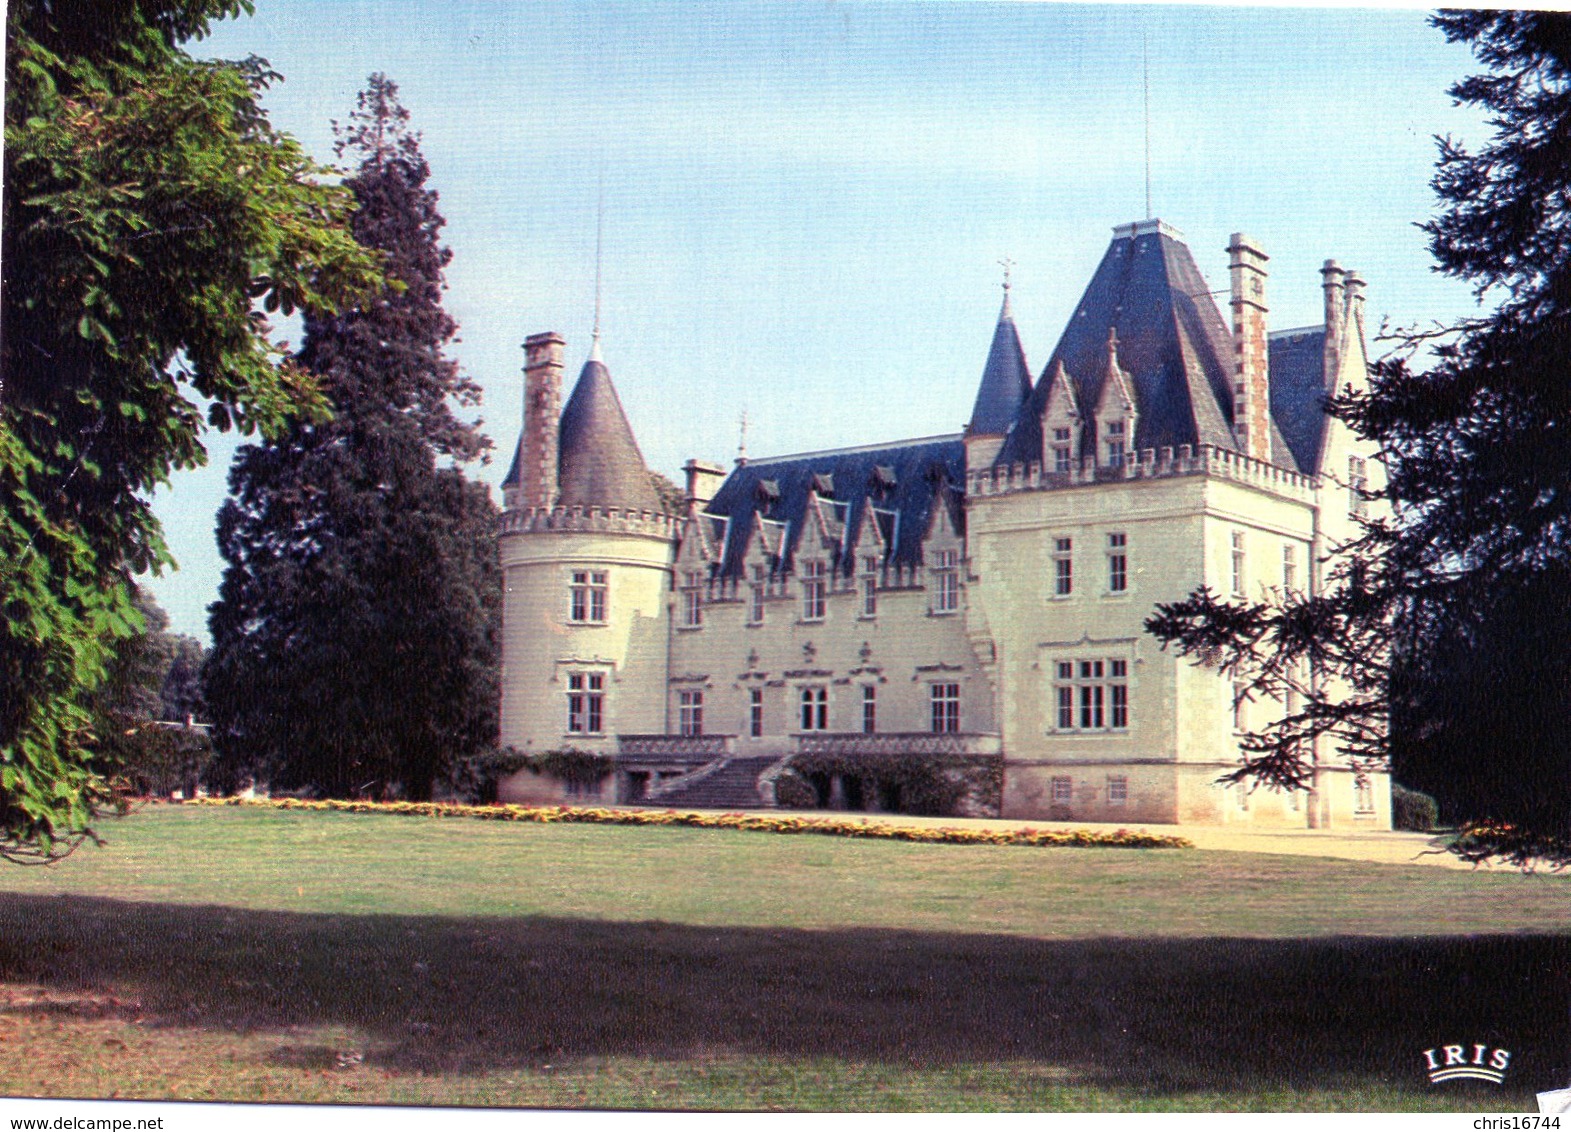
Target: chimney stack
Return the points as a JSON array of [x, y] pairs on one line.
[[1355, 303], [1336, 302], [703, 480], [542, 412], [1251, 382]]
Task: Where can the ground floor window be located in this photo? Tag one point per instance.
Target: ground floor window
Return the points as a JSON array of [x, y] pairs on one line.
[[815, 708], [946, 709], [1117, 790], [1092, 695], [690, 713], [1063, 790], [755, 712], [585, 703], [1363, 795], [581, 789]]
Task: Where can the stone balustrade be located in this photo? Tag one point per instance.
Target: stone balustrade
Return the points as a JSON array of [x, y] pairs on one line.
[[679, 748], [1147, 463], [854, 743]]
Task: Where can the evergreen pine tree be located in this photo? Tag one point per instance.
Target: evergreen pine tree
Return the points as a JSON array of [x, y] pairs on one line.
[[1450, 621], [354, 644]]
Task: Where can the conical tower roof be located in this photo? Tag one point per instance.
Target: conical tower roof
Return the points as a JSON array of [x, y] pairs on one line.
[[1174, 349], [600, 464], [1006, 381]]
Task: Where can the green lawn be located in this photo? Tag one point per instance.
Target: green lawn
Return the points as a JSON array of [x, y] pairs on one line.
[[249, 954]]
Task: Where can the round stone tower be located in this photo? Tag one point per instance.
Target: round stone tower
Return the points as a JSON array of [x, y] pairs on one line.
[[586, 551]]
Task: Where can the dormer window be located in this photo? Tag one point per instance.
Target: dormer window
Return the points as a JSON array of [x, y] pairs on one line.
[[1063, 450], [815, 588], [692, 600], [870, 586], [1115, 444], [946, 582], [755, 599]]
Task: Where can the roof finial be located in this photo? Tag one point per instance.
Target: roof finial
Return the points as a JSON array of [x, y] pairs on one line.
[[741, 441], [1112, 345], [1145, 67], [1007, 264], [594, 337]]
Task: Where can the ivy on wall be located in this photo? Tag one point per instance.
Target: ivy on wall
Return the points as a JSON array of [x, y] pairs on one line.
[[925, 784]]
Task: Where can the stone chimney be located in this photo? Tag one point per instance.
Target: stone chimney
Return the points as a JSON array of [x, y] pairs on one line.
[[1251, 382], [542, 411], [1355, 303], [703, 480], [1336, 303]]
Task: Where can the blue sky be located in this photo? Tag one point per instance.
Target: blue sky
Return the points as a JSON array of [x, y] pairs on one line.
[[805, 203]]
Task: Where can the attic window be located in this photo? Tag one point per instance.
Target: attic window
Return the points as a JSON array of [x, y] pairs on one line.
[[769, 491], [824, 483], [884, 475]]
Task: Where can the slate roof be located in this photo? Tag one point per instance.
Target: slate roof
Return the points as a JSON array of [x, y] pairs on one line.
[[1172, 342], [1006, 381], [515, 474], [1298, 392], [599, 463], [861, 483]]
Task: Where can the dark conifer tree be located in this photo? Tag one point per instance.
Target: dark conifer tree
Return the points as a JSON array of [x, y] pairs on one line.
[[354, 640], [1453, 618]]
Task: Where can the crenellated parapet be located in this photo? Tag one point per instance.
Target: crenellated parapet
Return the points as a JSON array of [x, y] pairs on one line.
[[1148, 463], [593, 520]]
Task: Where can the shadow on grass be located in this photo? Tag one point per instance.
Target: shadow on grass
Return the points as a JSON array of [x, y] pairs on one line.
[[1146, 1015]]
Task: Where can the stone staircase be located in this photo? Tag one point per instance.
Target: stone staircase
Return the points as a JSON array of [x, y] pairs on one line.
[[731, 786]]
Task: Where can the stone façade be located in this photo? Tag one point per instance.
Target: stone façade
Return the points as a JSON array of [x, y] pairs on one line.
[[958, 613]]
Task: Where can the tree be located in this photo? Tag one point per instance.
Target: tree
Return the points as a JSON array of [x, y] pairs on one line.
[[131, 739], [180, 697], [1450, 619], [354, 641], [148, 207]]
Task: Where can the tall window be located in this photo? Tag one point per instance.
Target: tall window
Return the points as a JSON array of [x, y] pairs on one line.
[[755, 603], [1092, 695], [946, 582], [755, 712], [815, 708], [692, 600], [1238, 563], [814, 588], [1289, 567], [690, 713], [1117, 790], [585, 703], [1063, 567], [1240, 706], [587, 597], [1357, 484], [1117, 563], [870, 586], [869, 709], [946, 709], [1062, 450], [1115, 444], [1118, 694], [1363, 795]]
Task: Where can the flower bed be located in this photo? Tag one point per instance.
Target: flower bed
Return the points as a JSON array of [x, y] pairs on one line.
[[759, 823]]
